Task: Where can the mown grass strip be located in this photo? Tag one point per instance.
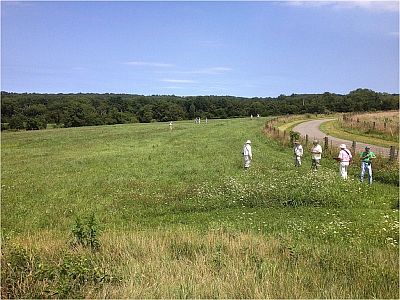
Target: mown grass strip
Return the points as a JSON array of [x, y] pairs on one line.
[[289, 126]]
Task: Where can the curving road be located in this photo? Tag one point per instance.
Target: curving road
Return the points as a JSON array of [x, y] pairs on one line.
[[312, 129]]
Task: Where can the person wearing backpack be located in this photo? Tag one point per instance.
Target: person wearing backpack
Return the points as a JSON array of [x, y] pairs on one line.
[[247, 154], [344, 158]]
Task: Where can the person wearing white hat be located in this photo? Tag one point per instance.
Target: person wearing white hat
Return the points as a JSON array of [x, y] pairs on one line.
[[247, 154], [344, 158]]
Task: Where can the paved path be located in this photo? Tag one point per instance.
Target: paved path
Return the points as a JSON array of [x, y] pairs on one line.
[[312, 129]]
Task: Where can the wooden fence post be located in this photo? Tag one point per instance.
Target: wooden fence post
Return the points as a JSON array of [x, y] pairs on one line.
[[326, 142], [392, 154], [353, 147], [306, 139]]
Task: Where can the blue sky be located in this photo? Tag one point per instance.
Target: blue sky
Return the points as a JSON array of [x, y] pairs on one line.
[[250, 49]]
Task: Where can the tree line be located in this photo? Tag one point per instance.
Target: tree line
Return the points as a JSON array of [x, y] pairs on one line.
[[35, 111]]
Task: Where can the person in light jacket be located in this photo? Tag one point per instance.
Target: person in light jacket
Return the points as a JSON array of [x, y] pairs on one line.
[[344, 159], [247, 155], [298, 153], [316, 152]]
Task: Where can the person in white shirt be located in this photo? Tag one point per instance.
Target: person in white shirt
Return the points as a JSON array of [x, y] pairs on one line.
[[316, 152], [247, 155], [298, 153], [344, 158]]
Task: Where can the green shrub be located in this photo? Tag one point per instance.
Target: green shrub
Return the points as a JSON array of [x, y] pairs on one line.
[[389, 176], [395, 203], [36, 123], [5, 126], [86, 233], [17, 122], [27, 274], [294, 136]]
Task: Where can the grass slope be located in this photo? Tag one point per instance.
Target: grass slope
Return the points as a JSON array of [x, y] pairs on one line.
[[332, 128], [182, 219]]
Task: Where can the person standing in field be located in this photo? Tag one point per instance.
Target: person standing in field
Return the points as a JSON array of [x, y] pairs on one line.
[[366, 163], [344, 159], [247, 154], [316, 151], [298, 153], [170, 125]]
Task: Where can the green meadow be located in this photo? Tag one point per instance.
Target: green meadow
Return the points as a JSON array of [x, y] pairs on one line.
[[174, 215]]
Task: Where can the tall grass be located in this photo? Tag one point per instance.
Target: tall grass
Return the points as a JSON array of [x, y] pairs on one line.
[[383, 125], [221, 263]]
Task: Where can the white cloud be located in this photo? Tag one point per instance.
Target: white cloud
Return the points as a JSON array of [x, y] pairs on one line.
[[14, 3], [308, 3], [377, 5], [212, 70], [370, 5], [212, 44], [148, 64], [178, 80], [174, 87], [209, 71]]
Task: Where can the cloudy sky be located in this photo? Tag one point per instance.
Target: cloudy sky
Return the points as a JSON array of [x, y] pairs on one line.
[[250, 49]]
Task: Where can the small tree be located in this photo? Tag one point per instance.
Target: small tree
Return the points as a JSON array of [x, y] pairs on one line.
[[36, 123], [17, 122], [294, 136]]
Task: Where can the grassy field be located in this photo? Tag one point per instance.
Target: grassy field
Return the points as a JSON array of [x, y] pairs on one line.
[[381, 124], [176, 216], [378, 128], [333, 128]]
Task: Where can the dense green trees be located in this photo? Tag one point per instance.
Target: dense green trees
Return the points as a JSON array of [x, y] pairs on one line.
[[35, 111]]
